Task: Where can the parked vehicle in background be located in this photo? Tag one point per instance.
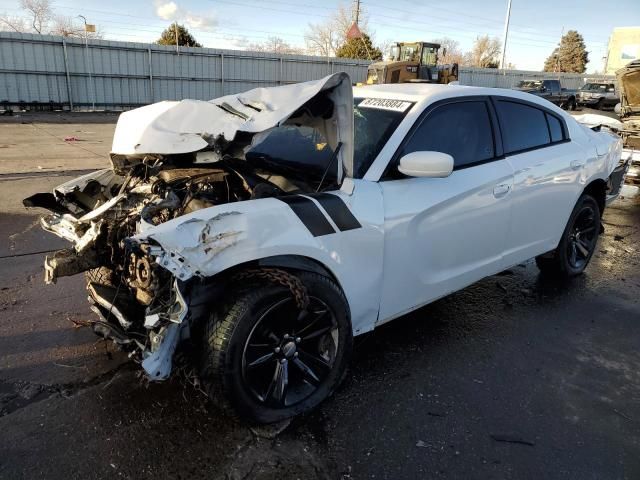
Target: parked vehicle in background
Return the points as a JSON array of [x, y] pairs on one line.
[[629, 85], [597, 95], [549, 90], [265, 229]]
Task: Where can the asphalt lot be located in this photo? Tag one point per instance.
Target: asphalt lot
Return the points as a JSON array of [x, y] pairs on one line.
[[514, 377]]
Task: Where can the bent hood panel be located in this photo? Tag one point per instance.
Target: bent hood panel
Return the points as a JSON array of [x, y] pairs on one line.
[[185, 126]]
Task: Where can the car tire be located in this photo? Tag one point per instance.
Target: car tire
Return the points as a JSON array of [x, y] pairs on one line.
[[578, 241], [600, 104], [571, 104], [101, 276], [263, 320]]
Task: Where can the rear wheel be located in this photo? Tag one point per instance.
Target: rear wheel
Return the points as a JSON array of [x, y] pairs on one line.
[[578, 241], [272, 360], [571, 104], [600, 104]]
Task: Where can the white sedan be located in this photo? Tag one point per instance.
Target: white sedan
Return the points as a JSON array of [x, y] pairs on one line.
[[262, 231]]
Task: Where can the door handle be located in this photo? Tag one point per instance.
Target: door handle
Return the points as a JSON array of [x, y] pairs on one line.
[[577, 164], [501, 190]]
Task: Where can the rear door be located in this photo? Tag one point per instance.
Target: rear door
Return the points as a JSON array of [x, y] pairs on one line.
[[546, 166], [442, 234]]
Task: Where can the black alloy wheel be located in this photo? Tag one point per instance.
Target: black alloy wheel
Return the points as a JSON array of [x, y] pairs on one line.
[[271, 359], [582, 237], [578, 241], [289, 353]]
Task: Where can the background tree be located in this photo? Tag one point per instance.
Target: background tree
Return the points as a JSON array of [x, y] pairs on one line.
[[569, 56], [39, 13], [326, 37], [70, 27], [449, 51], [485, 53], [185, 39], [360, 47], [275, 45]]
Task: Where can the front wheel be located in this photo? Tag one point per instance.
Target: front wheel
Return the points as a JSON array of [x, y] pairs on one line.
[[578, 241], [272, 360], [571, 104]]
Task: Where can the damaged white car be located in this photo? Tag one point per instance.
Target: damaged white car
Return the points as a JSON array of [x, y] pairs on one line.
[[264, 230]]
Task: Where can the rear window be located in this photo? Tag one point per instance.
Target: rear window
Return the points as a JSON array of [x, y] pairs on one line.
[[555, 128], [523, 127]]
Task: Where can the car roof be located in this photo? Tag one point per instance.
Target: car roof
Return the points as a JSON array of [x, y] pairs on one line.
[[428, 92]]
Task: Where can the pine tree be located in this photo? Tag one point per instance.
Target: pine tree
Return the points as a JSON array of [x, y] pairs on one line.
[[570, 56], [360, 47], [185, 39]]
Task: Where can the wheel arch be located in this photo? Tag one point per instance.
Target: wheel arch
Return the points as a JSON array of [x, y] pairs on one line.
[[205, 290], [598, 190]]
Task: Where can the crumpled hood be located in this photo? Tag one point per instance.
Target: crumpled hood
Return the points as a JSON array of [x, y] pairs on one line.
[[174, 127], [629, 83]]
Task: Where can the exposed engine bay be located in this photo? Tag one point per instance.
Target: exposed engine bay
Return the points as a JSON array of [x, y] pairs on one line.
[[139, 303]]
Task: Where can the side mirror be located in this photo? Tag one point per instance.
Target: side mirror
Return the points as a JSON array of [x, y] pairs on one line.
[[617, 108], [426, 164]]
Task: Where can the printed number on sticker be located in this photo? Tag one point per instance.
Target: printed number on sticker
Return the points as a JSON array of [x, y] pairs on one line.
[[385, 104]]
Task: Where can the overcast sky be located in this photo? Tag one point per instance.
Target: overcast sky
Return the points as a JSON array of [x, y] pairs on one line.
[[536, 26]]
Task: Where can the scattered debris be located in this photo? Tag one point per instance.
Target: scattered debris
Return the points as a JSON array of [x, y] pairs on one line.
[[511, 439], [72, 139], [271, 430], [422, 444], [627, 417]]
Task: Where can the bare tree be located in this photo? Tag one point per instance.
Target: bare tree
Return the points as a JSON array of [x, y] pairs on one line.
[[39, 11], [275, 45], [485, 53], [326, 37], [449, 51], [17, 24], [67, 27]]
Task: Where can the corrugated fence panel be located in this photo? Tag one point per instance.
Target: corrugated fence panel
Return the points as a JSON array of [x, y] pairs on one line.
[[491, 77], [45, 69]]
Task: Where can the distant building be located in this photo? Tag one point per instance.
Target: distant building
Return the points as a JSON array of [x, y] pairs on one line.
[[624, 47]]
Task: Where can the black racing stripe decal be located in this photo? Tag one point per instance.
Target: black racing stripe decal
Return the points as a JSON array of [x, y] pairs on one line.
[[337, 210], [309, 213]]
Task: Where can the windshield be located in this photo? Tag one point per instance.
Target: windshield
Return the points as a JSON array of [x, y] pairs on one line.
[[409, 53], [375, 120], [530, 83], [596, 87], [302, 153]]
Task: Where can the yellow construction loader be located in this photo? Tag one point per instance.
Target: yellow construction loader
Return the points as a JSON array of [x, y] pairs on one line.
[[412, 62]]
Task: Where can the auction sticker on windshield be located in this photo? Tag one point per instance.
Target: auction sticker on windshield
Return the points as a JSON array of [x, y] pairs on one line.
[[385, 104]]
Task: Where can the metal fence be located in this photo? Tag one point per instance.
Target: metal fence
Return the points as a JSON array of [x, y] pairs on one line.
[[47, 72], [44, 71], [491, 77]]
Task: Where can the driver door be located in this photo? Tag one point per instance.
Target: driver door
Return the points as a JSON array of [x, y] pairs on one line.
[[442, 234]]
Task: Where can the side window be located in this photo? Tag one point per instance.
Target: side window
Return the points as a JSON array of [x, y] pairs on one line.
[[555, 128], [522, 126], [461, 129]]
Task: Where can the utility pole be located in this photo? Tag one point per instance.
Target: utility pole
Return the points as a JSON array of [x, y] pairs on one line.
[[356, 11], [175, 30], [89, 28], [506, 34]]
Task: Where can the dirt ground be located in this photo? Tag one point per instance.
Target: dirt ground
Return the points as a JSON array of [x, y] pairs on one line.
[[514, 377]]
